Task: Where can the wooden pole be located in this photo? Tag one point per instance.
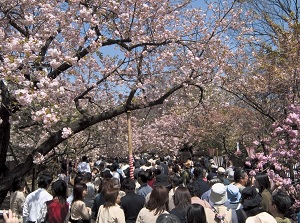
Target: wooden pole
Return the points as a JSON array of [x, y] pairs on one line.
[[130, 144]]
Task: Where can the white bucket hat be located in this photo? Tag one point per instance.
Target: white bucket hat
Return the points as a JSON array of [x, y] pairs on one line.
[[218, 194]]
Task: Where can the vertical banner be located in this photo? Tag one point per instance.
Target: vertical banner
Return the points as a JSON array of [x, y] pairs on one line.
[[130, 144]]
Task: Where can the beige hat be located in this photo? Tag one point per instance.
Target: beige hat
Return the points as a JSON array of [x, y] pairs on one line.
[[221, 170], [262, 217], [218, 194]]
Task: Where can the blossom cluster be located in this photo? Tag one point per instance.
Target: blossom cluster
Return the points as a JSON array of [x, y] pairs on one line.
[[283, 153]]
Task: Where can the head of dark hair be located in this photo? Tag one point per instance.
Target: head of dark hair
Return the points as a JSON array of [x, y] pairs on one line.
[[197, 172], [87, 177], [158, 200], [144, 176], [282, 201], [167, 218], [84, 158], [182, 198], [137, 164], [44, 181], [106, 174], [157, 171], [78, 191], [157, 162], [59, 190], [176, 168], [18, 184], [128, 184], [175, 180], [113, 167], [193, 189], [78, 178], [195, 214], [263, 182], [110, 197], [239, 174], [106, 184]]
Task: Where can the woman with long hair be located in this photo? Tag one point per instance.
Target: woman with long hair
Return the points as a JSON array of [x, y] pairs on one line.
[[157, 205], [106, 184], [79, 211], [182, 200], [262, 183], [57, 209], [17, 197], [195, 214], [110, 211]]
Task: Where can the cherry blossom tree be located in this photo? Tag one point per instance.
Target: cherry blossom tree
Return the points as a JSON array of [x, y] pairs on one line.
[[68, 65], [270, 85]]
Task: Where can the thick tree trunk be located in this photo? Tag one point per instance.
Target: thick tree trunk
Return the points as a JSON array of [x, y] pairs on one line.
[[4, 128], [4, 134]]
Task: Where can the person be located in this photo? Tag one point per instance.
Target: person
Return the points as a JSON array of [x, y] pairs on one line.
[[57, 209], [63, 172], [195, 199], [230, 166], [219, 212], [167, 218], [182, 199], [137, 168], [79, 178], [157, 205], [165, 169], [251, 201], [195, 214], [110, 211], [107, 183], [281, 204], [79, 211], [96, 177], [212, 173], [114, 170], [263, 217], [221, 176], [84, 166], [240, 179], [205, 196], [131, 211], [17, 198], [234, 197], [201, 185], [143, 177], [35, 200], [10, 217], [186, 174], [91, 190], [176, 181], [262, 183], [117, 184], [230, 176]]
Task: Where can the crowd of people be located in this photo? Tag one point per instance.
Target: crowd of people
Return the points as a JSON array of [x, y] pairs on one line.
[[158, 190]]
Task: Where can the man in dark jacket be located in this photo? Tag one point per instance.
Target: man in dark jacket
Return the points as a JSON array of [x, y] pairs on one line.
[[201, 185], [131, 203]]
